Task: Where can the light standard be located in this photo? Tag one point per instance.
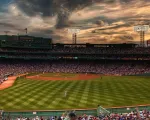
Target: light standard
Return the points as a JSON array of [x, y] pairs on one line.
[[74, 33], [141, 29]]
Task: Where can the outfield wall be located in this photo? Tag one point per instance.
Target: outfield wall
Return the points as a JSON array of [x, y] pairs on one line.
[[125, 109], [11, 114], [144, 74]]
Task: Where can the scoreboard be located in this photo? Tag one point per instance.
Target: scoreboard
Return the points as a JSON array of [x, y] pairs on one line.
[[26, 42]]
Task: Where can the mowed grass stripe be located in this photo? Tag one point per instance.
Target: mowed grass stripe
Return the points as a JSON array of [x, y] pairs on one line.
[[69, 100], [109, 91], [72, 93]]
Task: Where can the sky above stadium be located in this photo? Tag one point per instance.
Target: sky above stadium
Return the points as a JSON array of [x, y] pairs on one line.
[[99, 21]]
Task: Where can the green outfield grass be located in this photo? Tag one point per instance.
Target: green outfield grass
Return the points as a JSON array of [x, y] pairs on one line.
[[109, 91]]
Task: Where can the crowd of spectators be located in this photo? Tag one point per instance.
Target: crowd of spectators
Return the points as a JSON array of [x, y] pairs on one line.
[[133, 115], [109, 68], [78, 52], [89, 57], [84, 50], [101, 50]]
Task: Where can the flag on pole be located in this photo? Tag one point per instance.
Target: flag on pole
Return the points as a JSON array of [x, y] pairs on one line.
[[138, 113], [26, 29]]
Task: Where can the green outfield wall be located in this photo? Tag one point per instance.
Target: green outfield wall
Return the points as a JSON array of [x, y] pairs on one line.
[[126, 109]]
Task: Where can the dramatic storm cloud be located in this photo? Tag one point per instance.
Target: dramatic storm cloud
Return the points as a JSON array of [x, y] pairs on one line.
[[47, 8], [62, 8], [99, 21]]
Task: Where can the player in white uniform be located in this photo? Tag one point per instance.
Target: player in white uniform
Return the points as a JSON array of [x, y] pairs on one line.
[[65, 94]]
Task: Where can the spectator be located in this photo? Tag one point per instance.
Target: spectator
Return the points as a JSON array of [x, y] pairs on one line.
[[72, 116]]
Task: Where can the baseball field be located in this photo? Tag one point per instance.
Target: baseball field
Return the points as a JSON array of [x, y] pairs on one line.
[[58, 91]]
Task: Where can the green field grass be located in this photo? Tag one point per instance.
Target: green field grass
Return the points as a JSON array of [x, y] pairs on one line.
[[109, 91]]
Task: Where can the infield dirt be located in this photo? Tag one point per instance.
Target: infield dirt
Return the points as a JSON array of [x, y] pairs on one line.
[[76, 77]]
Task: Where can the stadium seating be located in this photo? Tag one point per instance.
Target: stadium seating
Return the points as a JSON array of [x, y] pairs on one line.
[[133, 115], [125, 60], [84, 50], [107, 68]]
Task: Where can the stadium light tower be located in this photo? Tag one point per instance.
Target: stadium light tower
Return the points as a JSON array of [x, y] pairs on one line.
[[141, 29], [74, 33]]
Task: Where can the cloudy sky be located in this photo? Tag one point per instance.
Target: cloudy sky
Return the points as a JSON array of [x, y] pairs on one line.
[[99, 21]]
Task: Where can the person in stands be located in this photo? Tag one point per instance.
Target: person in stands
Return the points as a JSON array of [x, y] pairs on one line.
[[72, 116]]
